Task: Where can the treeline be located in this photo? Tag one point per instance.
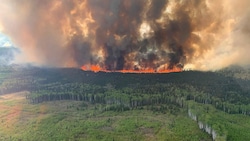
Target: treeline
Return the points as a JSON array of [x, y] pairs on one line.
[[203, 126], [136, 96], [128, 97]]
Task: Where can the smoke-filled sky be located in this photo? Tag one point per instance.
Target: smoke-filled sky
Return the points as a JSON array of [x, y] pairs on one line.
[[129, 34]]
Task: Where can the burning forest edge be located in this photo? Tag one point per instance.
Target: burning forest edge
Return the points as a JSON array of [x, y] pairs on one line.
[[97, 68]]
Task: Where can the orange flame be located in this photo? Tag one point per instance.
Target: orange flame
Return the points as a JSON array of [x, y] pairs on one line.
[[97, 68]]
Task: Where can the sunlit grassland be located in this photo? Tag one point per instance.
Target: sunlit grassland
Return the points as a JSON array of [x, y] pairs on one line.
[[76, 120]]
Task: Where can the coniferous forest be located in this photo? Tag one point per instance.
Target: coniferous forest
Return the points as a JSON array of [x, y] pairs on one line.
[[217, 103]]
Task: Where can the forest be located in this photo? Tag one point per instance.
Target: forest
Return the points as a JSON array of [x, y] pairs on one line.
[[199, 94]]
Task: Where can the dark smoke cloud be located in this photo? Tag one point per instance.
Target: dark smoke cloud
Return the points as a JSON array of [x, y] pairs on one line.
[[128, 34]]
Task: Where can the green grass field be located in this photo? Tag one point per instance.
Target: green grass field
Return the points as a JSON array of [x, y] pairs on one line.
[[75, 120]]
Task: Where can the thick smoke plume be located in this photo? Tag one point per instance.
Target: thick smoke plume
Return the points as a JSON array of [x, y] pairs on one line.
[[114, 35]]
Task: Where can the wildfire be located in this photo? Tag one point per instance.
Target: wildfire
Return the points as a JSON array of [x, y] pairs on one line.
[[94, 68], [97, 68], [128, 36]]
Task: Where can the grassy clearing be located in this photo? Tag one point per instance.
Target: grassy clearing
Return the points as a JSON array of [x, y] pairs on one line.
[[73, 120]]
